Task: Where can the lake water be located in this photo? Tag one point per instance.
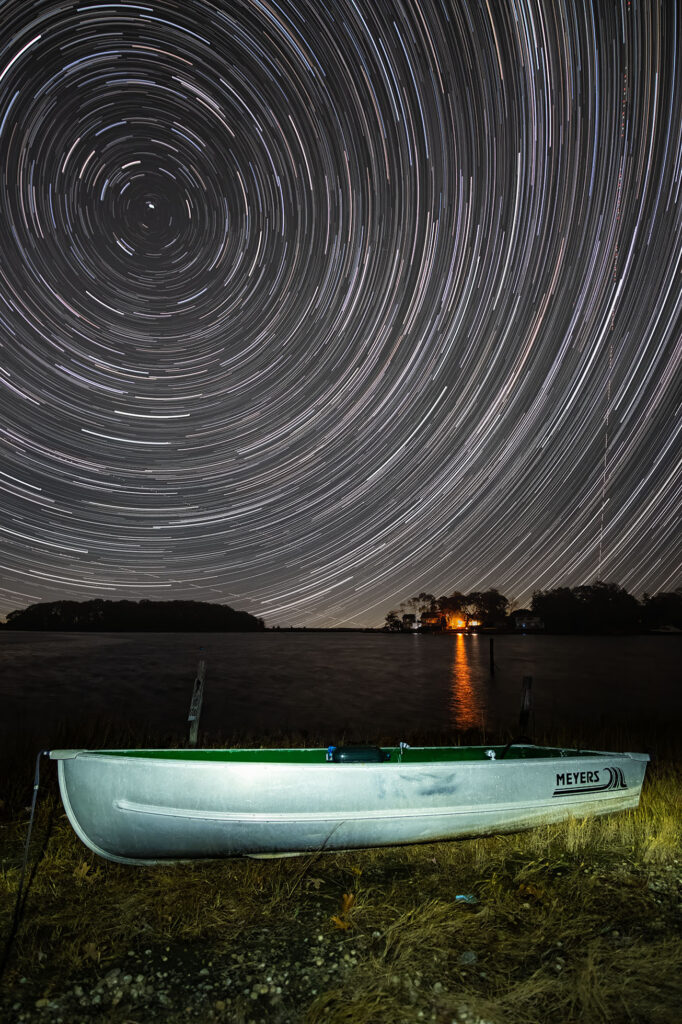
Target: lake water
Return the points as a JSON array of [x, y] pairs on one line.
[[333, 686]]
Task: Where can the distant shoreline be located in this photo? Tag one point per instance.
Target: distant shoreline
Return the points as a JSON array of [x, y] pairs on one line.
[[379, 630], [144, 616]]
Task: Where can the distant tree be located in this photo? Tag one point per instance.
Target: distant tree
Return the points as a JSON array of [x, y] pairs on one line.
[[663, 609], [600, 608], [471, 606], [133, 616], [426, 603], [597, 608], [419, 603], [392, 622], [608, 608], [559, 609], [488, 606], [454, 604]]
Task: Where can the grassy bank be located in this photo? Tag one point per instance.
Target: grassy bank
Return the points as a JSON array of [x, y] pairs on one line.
[[577, 922]]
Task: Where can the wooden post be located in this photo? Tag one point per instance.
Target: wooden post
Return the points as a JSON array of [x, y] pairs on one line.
[[492, 657], [526, 703], [195, 703]]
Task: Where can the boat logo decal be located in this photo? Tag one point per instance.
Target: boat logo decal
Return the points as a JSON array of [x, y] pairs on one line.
[[569, 783]]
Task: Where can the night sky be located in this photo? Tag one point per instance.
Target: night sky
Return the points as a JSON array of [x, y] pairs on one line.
[[307, 307]]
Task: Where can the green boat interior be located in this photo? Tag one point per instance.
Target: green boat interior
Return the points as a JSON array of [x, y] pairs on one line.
[[402, 754]]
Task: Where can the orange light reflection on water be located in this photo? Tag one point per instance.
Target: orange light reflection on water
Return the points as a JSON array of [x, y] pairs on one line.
[[465, 700]]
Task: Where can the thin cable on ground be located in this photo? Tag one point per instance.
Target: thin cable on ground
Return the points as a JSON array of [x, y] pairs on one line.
[[19, 905]]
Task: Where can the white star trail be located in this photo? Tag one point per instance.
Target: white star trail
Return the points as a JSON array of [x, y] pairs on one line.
[[317, 303]]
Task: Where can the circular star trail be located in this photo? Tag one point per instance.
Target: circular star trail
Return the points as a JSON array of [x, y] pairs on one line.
[[305, 306]]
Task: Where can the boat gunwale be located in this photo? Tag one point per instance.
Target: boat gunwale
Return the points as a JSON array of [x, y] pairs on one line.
[[192, 757]]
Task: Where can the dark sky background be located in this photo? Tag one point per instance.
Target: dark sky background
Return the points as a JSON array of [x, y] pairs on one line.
[[307, 307]]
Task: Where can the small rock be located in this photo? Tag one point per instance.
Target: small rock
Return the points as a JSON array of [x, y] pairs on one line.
[[467, 957]]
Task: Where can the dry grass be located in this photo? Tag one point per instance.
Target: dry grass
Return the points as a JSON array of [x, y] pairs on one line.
[[572, 923]]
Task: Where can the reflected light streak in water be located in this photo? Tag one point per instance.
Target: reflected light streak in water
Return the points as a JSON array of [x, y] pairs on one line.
[[466, 704]]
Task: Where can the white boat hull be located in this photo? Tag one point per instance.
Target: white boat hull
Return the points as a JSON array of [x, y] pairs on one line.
[[139, 810]]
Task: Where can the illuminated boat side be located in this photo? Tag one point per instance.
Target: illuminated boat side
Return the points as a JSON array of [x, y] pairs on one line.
[[146, 806]]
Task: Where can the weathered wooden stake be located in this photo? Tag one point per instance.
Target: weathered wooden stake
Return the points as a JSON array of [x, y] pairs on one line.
[[526, 703], [492, 657], [195, 703]]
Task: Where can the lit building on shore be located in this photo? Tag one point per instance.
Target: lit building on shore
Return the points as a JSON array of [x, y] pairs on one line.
[[447, 621]]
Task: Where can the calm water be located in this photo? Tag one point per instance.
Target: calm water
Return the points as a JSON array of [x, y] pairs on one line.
[[328, 684]]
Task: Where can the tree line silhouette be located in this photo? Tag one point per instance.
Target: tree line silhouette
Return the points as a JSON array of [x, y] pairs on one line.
[[133, 617], [599, 608]]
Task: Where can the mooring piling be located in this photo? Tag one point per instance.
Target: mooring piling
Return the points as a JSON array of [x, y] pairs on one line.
[[196, 702], [526, 703]]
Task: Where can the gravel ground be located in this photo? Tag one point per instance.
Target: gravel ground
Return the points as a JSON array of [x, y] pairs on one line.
[[271, 980], [273, 977]]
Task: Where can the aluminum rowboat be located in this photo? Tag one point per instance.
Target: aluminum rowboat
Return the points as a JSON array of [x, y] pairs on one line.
[[146, 806]]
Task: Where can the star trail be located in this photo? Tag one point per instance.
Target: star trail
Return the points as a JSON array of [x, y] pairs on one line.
[[305, 307]]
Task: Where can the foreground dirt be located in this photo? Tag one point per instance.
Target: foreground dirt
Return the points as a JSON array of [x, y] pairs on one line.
[[321, 963]]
